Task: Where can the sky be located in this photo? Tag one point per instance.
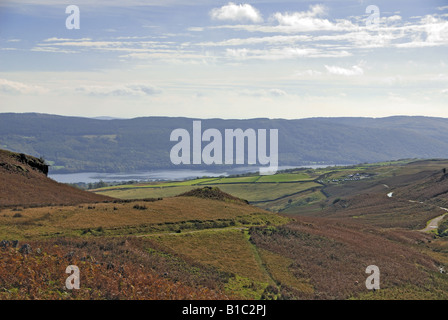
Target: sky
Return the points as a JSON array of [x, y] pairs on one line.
[[221, 59]]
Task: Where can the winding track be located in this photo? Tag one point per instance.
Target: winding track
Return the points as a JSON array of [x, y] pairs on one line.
[[434, 223]]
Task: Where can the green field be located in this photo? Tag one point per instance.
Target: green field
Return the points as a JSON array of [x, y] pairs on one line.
[[146, 192], [162, 184], [283, 192], [249, 179], [254, 188], [253, 192], [285, 177], [266, 192], [294, 191]]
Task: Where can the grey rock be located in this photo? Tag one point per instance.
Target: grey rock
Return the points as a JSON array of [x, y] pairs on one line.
[[25, 249]]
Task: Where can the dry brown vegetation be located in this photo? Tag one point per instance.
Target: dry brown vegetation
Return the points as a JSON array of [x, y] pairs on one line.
[[332, 256], [129, 217], [380, 210], [433, 190], [24, 184], [41, 274], [208, 244], [418, 190]]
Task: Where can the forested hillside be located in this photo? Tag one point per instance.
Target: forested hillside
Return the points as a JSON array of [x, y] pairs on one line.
[[72, 144]]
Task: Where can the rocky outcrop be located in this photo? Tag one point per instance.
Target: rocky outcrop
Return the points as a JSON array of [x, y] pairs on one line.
[[21, 163], [35, 163], [24, 181]]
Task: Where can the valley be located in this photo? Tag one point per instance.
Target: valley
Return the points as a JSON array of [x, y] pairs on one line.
[[299, 234]]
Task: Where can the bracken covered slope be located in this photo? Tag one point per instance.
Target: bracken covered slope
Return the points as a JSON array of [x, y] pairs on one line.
[[24, 181]]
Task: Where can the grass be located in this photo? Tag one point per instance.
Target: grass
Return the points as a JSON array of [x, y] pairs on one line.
[[285, 177], [279, 268], [252, 192], [104, 219], [245, 288], [303, 201], [248, 179], [192, 182], [233, 254], [442, 231], [277, 192], [150, 192], [266, 192]]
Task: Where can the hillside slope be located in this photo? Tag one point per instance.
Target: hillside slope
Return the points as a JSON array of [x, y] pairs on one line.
[[207, 244], [24, 181]]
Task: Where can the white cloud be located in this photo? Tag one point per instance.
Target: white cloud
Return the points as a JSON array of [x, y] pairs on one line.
[[393, 18], [426, 31], [276, 93], [13, 87], [292, 19], [195, 29], [284, 53], [311, 20], [237, 13], [353, 71], [337, 38], [257, 40], [396, 80], [237, 53], [134, 89], [87, 43], [445, 91], [107, 3], [65, 39], [308, 72], [306, 25], [429, 31], [52, 49]]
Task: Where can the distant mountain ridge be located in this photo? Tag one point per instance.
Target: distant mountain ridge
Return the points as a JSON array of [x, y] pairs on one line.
[[75, 144]]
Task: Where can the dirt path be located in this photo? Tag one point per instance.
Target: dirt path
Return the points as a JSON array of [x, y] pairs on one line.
[[434, 223]]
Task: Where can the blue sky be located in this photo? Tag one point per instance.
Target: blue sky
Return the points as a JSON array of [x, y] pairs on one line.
[[221, 59]]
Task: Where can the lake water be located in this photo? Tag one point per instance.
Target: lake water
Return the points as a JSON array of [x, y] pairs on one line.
[[155, 175]]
